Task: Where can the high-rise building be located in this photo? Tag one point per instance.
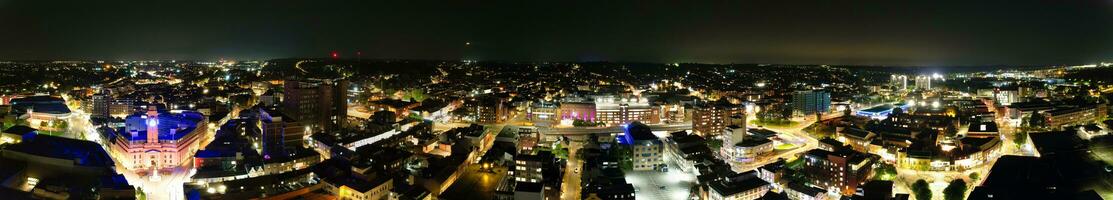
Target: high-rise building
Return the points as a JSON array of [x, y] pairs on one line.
[[646, 147], [100, 103], [923, 82], [279, 132], [811, 101], [841, 170], [320, 103], [900, 82], [488, 109], [710, 119]]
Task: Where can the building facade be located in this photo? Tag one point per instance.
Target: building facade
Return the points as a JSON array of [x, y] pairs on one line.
[[321, 103], [841, 170], [710, 119], [811, 101], [159, 139], [615, 110], [647, 148]]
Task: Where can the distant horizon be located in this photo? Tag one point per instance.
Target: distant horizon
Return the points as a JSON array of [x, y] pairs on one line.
[[541, 61]]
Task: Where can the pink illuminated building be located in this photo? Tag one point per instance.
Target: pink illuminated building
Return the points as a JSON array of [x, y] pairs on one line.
[[159, 139]]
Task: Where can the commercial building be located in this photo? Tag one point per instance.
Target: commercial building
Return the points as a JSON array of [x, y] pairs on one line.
[[982, 129], [811, 101], [800, 191], [159, 139], [923, 82], [487, 109], [47, 113], [99, 105], [739, 146], [1076, 116], [49, 167], [646, 147], [320, 103], [710, 119], [278, 131], [542, 111], [576, 111], [899, 82], [741, 186], [841, 170], [614, 111]]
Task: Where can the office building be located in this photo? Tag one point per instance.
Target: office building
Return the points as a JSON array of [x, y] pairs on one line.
[[320, 103], [646, 147], [811, 101], [741, 186], [487, 109], [710, 119], [1076, 116], [739, 146], [841, 170], [624, 110]]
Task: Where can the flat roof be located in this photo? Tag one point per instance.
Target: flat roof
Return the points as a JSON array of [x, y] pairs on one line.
[[742, 182], [84, 153]]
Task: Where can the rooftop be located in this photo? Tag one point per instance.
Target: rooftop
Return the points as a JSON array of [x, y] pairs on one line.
[[41, 104], [171, 125], [84, 153], [739, 183]]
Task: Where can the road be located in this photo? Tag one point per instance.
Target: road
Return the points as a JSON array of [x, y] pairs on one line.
[[613, 129], [796, 132], [570, 187]]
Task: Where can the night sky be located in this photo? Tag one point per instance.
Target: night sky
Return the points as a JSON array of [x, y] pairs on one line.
[[929, 33]]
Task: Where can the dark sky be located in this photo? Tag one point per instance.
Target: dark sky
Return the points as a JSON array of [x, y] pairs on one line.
[[815, 32]]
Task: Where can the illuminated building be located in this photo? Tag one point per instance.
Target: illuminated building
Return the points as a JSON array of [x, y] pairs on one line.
[[488, 109], [742, 186], [900, 82], [159, 139], [614, 110], [576, 111], [923, 82], [647, 148], [279, 132], [741, 147], [1076, 116], [42, 112], [320, 103], [100, 104], [840, 170], [880, 111], [811, 101], [542, 111], [528, 168], [710, 119]]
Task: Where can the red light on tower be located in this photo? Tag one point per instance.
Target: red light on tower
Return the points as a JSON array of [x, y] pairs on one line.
[[335, 55]]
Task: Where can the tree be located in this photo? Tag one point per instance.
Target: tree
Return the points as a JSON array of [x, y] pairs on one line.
[[1020, 138], [884, 171], [956, 190], [624, 155], [975, 176], [921, 190], [1037, 120], [715, 144]]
